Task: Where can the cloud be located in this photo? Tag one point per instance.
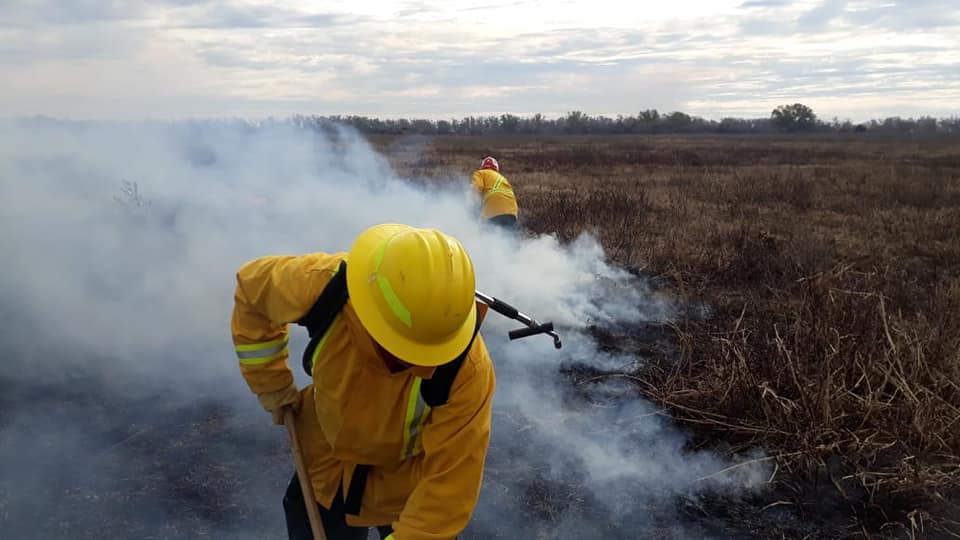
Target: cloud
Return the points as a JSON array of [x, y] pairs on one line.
[[227, 16], [20, 13], [406, 75], [82, 44], [820, 16], [156, 14], [856, 18], [171, 57], [487, 7], [764, 3], [904, 16]]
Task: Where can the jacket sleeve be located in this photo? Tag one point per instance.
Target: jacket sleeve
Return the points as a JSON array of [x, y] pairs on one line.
[[272, 292], [477, 182], [455, 447]]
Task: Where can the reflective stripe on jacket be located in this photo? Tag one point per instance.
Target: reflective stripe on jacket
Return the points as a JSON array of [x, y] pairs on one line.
[[497, 193], [427, 463]]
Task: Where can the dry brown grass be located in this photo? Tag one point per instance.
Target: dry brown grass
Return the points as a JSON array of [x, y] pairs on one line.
[[832, 267]]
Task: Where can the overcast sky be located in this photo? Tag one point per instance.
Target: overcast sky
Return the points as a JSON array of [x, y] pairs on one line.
[[133, 59]]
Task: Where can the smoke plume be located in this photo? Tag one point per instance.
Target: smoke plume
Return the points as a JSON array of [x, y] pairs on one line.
[[123, 411]]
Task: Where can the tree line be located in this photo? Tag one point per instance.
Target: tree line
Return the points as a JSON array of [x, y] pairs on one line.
[[788, 118]]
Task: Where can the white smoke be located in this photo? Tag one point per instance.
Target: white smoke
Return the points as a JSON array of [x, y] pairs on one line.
[[120, 244]]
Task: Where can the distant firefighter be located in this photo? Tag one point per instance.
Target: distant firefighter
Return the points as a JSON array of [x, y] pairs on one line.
[[499, 201]]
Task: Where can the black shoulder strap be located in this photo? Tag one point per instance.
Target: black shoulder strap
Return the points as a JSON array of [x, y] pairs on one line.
[[436, 390], [324, 311]]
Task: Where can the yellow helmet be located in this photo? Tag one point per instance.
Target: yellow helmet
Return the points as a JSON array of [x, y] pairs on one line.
[[413, 291]]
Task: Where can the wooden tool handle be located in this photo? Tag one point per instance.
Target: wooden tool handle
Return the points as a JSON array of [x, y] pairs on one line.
[[313, 513]]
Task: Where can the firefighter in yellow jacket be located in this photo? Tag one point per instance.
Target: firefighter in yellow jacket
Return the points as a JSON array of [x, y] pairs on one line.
[[377, 453], [499, 201]]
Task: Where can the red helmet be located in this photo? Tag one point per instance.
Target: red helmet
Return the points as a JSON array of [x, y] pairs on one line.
[[490, 162]]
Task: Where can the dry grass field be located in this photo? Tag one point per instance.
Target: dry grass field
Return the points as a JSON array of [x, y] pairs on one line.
[[831, 269], [821, 277]]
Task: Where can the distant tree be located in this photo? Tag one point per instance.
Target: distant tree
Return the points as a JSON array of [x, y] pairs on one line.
[[423, 127], [734, 125], [649, 116], [950, 125], [894, 124], [647, 121], [537, 123], [576, 122], [509, 123], [470, 126], [796, 117], [791, 118], [926, 125], [677, 121], [490, 124]]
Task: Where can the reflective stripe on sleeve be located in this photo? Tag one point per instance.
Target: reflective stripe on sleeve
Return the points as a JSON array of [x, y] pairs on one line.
[[261, 353]]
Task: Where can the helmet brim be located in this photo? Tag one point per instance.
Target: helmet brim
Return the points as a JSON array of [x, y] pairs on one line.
[[361, 286]]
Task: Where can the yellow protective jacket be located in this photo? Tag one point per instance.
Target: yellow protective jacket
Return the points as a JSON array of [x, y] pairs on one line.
[[427, 464], [497, 193]]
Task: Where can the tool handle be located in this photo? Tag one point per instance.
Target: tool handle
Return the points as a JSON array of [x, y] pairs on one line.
[[544, 328], [504, 308], [313, 513], [511, 312]]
